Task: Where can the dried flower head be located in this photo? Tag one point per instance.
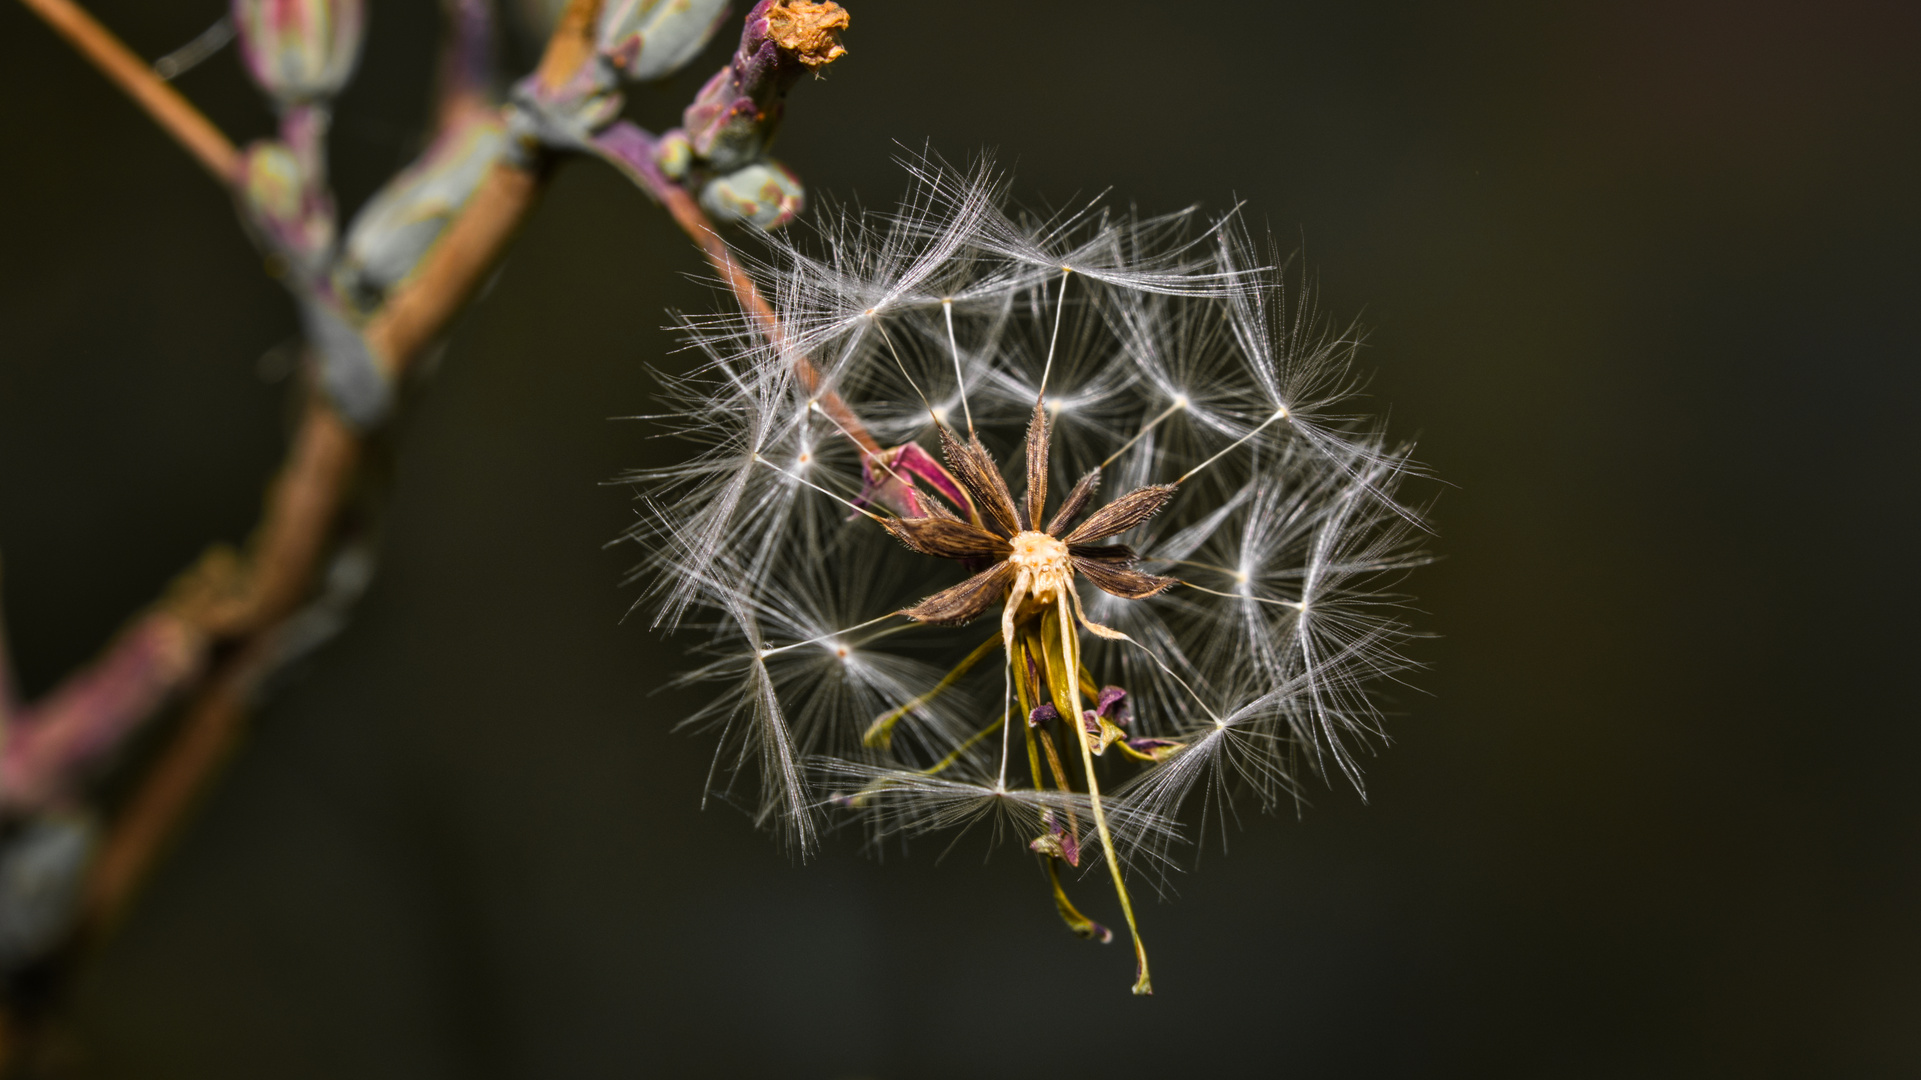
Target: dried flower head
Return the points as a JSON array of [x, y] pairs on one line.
[[1190, 593]]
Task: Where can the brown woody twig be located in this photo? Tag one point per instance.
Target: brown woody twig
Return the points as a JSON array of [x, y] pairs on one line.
[[214, 636], [162, 102]]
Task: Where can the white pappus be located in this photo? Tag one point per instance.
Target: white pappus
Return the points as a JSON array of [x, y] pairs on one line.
[[1058, 524]]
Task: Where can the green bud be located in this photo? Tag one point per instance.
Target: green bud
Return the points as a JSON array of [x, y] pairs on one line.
[[282, 201], [651, 39], [300, 50], [674, 155], [764, 194], [43, 864], [400, 223]]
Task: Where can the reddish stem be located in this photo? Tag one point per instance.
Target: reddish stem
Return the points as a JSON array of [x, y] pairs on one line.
[[632, 151]]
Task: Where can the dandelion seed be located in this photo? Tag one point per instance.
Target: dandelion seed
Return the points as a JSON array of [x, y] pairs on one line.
[[1187, 587]]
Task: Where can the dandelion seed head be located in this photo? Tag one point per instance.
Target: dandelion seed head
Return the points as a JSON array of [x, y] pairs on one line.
[[1001, 471]]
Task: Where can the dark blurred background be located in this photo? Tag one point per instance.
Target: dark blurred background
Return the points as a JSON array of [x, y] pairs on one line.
[[1642, 277]]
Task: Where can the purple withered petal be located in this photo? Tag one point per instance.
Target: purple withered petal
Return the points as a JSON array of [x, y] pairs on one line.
[[1156, 749], [1105, 734], [1042, 714], [1057, 842], [1115, 698], [890, 477], [881, 484], [918, 463], [1070, 847]]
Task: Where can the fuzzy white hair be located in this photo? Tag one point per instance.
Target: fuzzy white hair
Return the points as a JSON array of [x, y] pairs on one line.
[[1165, 351]]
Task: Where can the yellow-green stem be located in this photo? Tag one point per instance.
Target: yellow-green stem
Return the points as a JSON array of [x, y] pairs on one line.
[[1081, 925], [1070, 648], [972, 741], [881, 731], [1027, 710]]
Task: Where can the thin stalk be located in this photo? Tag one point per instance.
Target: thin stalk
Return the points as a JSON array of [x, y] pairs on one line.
[[1179, 404], [960, 383], [695, 223], [881, 731], [1081, 925], [1070, 648], [1060, 305], [1279, 414]]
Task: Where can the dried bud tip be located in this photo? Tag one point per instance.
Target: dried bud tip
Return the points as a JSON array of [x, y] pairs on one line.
[[1057, 843], [1100, 732], [808, 30]]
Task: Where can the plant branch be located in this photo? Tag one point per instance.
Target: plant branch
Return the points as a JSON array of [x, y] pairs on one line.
[[466, 62], [217, 633], [209, 729], [456, 266], [632, 151], [305, 500], [227, 598], [227, 605], [168, 108], [695, 223]]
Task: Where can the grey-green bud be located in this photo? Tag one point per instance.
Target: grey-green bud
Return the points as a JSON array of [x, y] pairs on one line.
[[300, 50], [651, 39], [764, 194]]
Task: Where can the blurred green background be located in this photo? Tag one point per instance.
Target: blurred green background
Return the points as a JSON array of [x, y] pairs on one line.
[[1643, 277]]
